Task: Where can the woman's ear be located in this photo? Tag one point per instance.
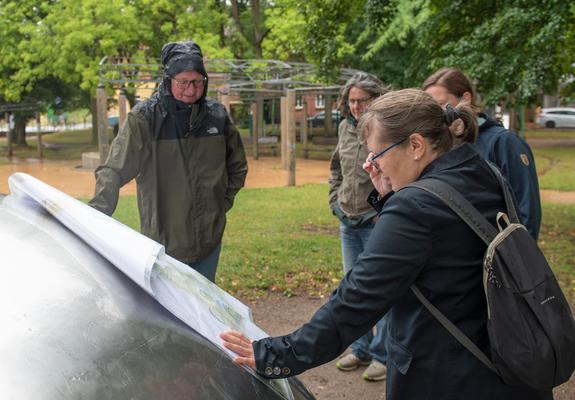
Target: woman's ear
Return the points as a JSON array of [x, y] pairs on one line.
[[466, 97], [417, 146]]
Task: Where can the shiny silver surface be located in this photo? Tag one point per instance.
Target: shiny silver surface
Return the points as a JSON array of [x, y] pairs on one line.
[[74, 327]]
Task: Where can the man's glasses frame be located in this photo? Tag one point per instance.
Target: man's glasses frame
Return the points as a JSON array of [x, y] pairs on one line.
[[196, 83]]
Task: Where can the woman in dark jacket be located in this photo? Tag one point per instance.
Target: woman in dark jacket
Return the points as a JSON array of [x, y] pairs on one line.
[[504, 148], [417, 240]]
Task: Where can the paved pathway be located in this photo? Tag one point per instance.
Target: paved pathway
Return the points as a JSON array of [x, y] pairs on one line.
[[265, 172]]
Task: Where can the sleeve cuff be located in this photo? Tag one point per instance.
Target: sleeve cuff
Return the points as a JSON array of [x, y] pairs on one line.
[[267, 363], [377, 201]]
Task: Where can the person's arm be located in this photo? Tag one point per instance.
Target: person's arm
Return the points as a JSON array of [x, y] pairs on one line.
[[383, 274], [236, 163], [122, 164], [515, 160], [335, 175]]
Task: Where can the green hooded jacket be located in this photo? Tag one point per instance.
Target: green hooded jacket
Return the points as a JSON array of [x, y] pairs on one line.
[[185, 183]]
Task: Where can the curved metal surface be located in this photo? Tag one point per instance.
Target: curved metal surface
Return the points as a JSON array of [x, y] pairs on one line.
[[74, 327]]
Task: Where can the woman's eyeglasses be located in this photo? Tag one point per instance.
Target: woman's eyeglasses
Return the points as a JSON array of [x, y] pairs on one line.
[[359, 102], [382, 152]]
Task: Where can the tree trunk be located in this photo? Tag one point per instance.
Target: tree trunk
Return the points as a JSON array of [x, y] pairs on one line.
[[94, 112], [513, 121], [19, 132], [222, 34], [258, 36], [236, 16]]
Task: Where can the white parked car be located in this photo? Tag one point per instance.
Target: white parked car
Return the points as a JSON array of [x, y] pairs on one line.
[[557, 117]]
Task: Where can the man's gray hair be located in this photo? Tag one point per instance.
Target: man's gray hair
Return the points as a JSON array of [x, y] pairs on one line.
[[364, 81]]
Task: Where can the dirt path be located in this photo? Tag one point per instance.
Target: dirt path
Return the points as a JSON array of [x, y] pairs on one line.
[[326, 382], [66, 176], [554, 196], [551, 142], [265, 172]]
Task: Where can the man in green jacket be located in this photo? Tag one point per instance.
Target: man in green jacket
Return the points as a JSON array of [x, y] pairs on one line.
[[187, 158]]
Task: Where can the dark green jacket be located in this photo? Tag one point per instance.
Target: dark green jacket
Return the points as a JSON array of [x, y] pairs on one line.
[[186, 182]]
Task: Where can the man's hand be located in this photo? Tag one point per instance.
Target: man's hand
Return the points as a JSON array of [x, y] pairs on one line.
[[241, 345]]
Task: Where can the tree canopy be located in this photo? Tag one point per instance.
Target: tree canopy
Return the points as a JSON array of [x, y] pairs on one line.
[[514, 50]]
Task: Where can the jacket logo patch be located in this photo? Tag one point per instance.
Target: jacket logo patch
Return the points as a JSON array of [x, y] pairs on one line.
[[213, 130], [524, 159]]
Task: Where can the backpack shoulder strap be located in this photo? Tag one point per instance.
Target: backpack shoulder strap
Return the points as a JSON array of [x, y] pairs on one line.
[[460, 206], [453, 330], [472, 217]]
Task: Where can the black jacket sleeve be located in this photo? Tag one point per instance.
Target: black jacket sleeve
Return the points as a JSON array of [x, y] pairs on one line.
[[396, 253], [515, 160]]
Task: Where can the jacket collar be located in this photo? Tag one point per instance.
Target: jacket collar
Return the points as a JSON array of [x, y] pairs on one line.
[[352, 121], [453, 158], [488, 122]]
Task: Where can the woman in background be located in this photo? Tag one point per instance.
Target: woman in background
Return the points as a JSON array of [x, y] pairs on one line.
[[504, 148], [349, 188]]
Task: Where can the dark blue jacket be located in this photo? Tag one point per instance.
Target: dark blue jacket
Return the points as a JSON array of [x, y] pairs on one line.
[[417, 239], [514, 158]]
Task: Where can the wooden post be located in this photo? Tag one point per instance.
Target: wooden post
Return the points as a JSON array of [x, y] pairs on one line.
[[283, 132], [39, 135], [260, 108], [122, 108], [291, 137], [304, 130], [255, 129], [328, 121], [102, 116], [10, 127], [225, 100]]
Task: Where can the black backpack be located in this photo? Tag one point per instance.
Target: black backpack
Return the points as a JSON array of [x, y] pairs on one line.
[[529, 322]]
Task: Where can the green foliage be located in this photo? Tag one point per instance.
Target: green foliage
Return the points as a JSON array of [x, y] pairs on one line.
[[388, 47], [174, 20], [515, 50], [18, 22], [512, 49], [327, 22], [285, 41], [78, 34]]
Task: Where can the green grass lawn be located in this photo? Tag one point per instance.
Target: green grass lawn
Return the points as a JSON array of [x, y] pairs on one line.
[[286, 240], [544, 133], [557, 240], [556, 167]]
